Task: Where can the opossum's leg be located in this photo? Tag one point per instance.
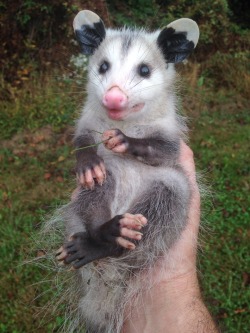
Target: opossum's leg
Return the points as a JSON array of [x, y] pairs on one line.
[[88, 208], [104, 236], [166, 209], [155, 149], [104, 241], [89, 166], [101, 225], [81, 249]]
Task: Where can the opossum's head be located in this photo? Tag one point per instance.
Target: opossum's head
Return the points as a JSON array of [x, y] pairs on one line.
[[131, 71]]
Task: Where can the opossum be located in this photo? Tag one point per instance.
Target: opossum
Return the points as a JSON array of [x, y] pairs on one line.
[[132, 202]]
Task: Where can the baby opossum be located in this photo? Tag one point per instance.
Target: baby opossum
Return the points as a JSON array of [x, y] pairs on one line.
[[131, 183]]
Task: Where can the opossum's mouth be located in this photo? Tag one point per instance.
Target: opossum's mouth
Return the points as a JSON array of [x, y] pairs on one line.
[[120, 114]]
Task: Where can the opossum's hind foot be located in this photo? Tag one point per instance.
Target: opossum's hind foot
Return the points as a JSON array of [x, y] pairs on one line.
[[81, 250], [121, 226], [111, 238]]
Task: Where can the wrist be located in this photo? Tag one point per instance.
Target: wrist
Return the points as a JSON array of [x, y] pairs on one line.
[[179, 286], [164, 304], [178, 306]]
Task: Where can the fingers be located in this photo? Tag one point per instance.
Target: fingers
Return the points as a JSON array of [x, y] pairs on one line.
[[109, 134], [132, 221], [120, 148], [99, 173], [131, 234], [88, 177], [61, 254], [130, 224], [89, 180], [125, 243], [187, 162], [115, 140]]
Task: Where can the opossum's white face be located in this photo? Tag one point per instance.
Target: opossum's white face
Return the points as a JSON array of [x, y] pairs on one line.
[[131, 71], [128, 74]]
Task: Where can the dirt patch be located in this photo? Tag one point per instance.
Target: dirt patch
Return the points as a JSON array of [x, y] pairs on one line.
[[32, 143]]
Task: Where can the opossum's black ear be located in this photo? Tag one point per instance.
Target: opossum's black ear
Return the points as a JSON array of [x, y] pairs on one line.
[[90, 31], [178, 39]]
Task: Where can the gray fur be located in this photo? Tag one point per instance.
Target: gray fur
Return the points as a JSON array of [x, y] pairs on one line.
[[149, 182], [126, 43]]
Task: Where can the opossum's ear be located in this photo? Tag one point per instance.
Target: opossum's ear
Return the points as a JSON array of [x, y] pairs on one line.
[[90, 31], [178, 39]]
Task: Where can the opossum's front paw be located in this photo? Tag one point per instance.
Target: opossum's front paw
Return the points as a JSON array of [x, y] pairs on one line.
[[116, 141], [91, 171], [121, 227], [81, 250]]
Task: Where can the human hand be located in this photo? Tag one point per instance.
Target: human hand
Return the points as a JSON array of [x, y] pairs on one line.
[[181, 258], [173, 304]]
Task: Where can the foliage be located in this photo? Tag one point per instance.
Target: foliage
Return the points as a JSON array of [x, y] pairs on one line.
[[29, 30], [40, 36]]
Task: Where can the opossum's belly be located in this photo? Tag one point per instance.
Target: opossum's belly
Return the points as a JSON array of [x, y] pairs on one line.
[[133, 179], [128, 184]]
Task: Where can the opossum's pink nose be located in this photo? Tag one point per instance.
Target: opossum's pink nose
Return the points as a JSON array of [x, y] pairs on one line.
[[115, 99]]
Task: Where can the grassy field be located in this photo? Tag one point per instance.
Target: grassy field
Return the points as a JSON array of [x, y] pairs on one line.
[[36, 176]]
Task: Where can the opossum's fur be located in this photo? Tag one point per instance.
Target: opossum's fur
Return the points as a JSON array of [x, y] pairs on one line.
[[105, 290]]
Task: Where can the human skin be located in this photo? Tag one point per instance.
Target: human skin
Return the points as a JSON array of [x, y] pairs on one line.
[[174, 304]]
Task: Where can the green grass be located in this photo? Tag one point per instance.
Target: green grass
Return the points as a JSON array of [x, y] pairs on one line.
[[36, 163], [221, 143]]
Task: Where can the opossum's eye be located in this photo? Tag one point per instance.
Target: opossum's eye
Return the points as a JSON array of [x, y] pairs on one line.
[[143, 70], [104, 67]]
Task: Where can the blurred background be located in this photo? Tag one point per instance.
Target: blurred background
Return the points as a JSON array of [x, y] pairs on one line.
[[42, 79]]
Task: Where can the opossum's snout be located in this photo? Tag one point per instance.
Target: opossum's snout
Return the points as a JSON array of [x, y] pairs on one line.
[[116, 103], [115, 99]]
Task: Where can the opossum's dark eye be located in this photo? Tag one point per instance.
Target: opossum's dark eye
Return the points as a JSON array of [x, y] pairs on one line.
[[104, 67], [143, 70]]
